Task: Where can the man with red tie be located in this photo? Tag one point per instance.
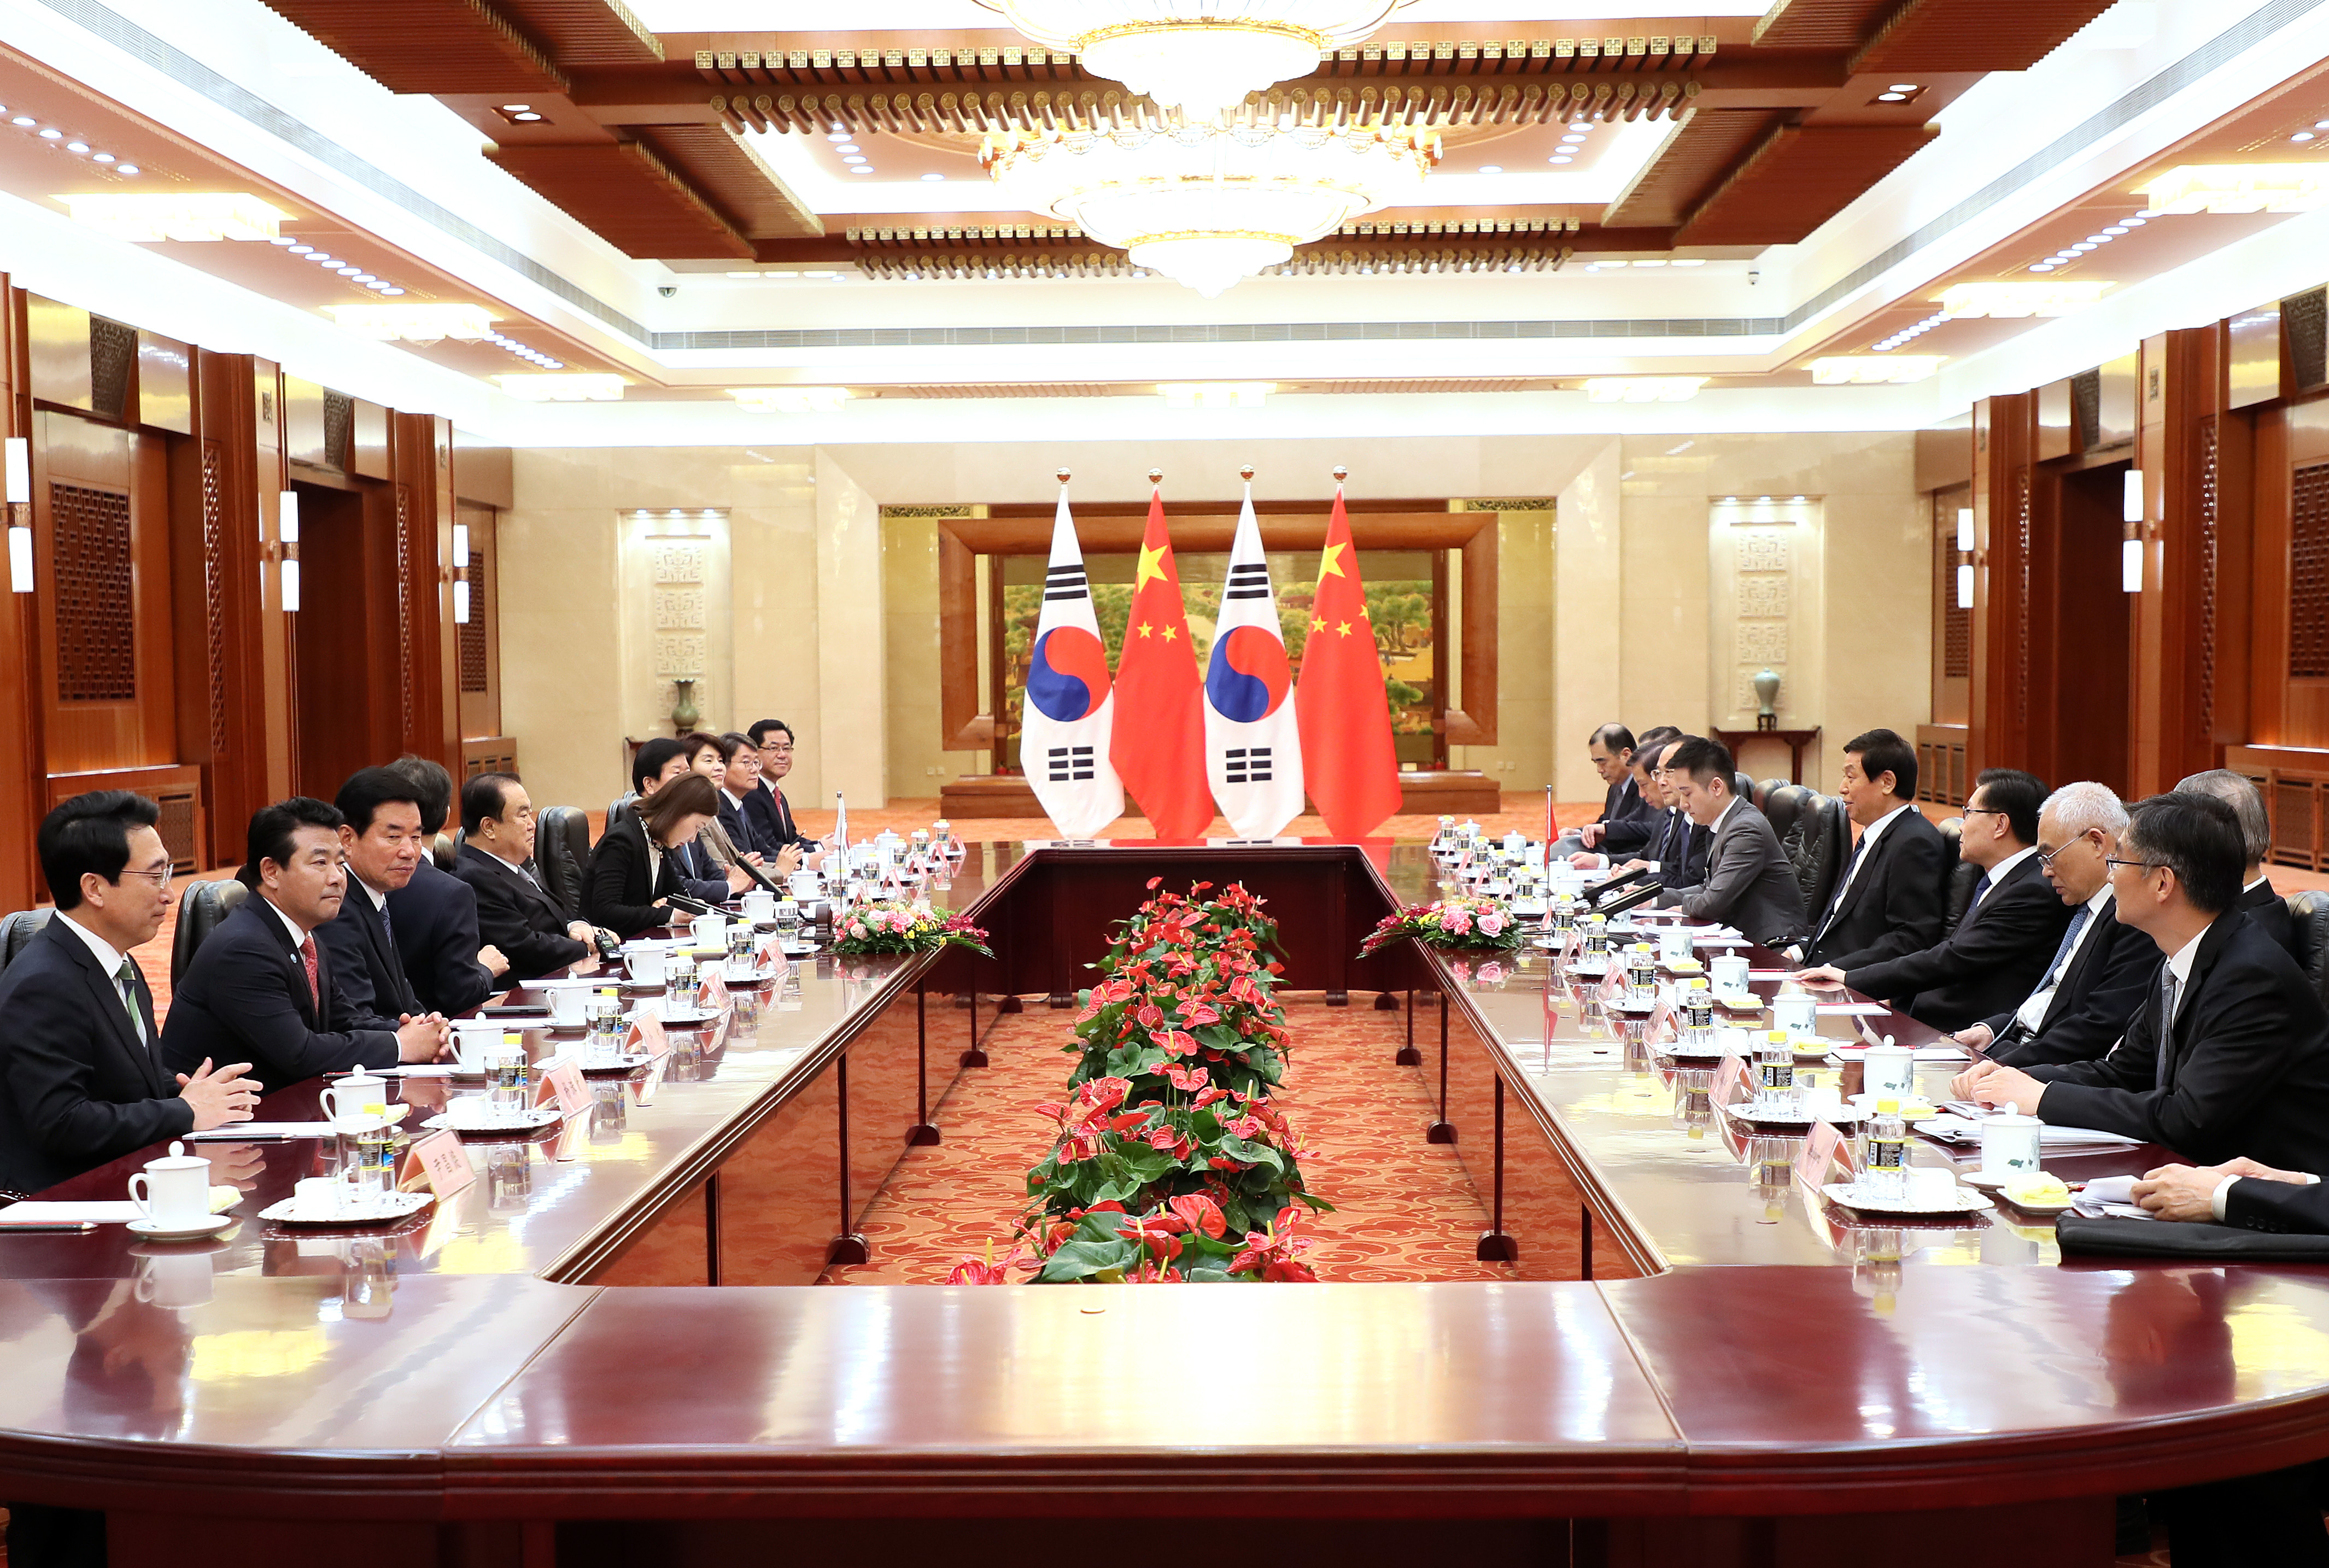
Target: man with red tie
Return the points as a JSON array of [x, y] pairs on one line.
[[260, 989], [770, 813]]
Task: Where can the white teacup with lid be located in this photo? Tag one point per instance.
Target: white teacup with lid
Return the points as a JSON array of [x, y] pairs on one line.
[[357, 1097], [174, 1191]]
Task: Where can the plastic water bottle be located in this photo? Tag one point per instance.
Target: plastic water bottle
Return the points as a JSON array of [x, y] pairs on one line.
[[1697, 1009], [1641, 974], [1775, 1072], [1884, 1153]]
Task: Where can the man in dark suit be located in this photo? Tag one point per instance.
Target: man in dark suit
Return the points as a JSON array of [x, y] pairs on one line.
[[2259, 899], [381, 845], [1749, 883], [81, 1080], [2102, 969], [2229, 1056], [2001, 947], [1890, 901], [514, 911], [435, 916], [1611, 749], [261, 986], [738, 783], [1623, 837], [774, 738], [654, 765]]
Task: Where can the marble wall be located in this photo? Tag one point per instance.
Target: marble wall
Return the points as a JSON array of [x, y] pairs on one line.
[[1608, 608]]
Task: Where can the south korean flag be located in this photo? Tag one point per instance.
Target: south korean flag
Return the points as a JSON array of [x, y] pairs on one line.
[[1070, 712], [1253, 748]]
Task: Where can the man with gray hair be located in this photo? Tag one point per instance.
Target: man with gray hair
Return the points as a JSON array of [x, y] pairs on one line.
[[2264, 905], [2103, 970]]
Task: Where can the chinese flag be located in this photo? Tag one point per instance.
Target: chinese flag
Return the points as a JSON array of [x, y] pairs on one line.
[[1349, 763], [1159, 741]]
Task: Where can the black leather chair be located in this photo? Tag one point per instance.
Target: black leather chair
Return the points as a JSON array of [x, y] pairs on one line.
[[17, 932], [200, 909], [1782, 804], [2310, 911], [1744, 788], [1816, 848], [1958, 874], [444, 849], [561, 853]]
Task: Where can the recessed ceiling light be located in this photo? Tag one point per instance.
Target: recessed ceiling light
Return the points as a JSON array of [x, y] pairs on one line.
[[862, 169], [1572, 139], [21, 120], [2042, 266], [1658, 263], [301, 249], [2083, 246], [76, 147], [2321, 125], [516, 108], [528, 115], [852, 157], [1560, 158], [838, 136], [391, 291], [1891, 97], [848, 148], [50, 136], [366, 277], [346, 272], [129, 168], [2299, 137], [1492, 168], [932, 179], [105, 157], [283, 239], [1608, 263], [1902, 86], [2132, 223], [2115, 229]]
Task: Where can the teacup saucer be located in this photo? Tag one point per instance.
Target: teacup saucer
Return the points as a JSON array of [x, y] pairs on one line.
[[192, 1230]]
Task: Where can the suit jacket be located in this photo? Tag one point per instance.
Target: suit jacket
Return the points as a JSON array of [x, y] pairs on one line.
[[365, 959], [435, 918], [1895, 904], [76, 1086], [1623, 801], [743, 831], [1749, 883], [2287, 1207], [245, 999], [2110, 976], [1682, 852], [1627, 837], [2270, 910], [772, 815], [516, 914], [620, 893], [2247, 1062], [1994, 959]]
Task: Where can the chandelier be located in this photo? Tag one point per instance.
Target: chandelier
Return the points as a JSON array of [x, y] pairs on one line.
[[1200, 56], [1208, 204]]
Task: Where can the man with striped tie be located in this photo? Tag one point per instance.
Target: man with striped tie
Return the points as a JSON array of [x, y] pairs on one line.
[[81, 1079], [2229, 1055]]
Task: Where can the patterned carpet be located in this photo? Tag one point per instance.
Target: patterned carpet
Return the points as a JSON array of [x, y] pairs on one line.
[[1404, 1211]]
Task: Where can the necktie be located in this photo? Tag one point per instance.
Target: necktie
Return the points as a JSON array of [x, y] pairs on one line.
[[387, 926], [126, 978], [1843, 884], [2167, 991], [2070, 941], [1980, 892], [315, 986]]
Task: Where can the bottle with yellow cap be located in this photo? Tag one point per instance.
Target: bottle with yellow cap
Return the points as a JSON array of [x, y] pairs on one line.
[[1884, 1157]]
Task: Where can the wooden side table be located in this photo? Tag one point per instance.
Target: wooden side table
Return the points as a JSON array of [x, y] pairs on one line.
[[1796, 741]]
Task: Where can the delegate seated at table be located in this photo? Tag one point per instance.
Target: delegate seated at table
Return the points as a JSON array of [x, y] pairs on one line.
[[81, 1079], [2230, 1053], [262, 988], [1749, 883]]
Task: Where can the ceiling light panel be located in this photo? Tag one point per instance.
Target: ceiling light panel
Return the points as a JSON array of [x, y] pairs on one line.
[[151, 217]]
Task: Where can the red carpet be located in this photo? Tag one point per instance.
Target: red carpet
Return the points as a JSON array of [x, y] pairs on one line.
[[1404, 1210]]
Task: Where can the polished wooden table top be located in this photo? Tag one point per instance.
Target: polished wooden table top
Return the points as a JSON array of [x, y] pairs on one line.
[[1785, 1360]]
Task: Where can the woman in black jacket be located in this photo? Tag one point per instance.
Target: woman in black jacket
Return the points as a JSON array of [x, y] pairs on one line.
[[632, 872]]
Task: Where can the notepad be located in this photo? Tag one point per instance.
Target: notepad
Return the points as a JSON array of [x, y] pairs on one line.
[[245, 1131], [1852, 1009], [118, 1212]]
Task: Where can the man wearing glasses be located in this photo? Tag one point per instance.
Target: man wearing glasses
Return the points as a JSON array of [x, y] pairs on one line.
[[2229, 1055], [765, 804], [2103, 970], [1646, 831], [81, 1079]]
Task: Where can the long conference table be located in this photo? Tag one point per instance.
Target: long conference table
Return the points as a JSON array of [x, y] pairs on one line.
[[604, 1351]]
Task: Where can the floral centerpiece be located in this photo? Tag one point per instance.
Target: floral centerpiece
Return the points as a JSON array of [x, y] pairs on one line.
[[895, 926], [1171, 1161], [1452, 922]]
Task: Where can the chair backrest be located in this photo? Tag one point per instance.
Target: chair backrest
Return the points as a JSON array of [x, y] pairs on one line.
[[1958, 874], [1783, 804], [562, 851], [2310, 912], [1744, 788], [1763, 793], [1816, 848], [17, 932], [200, 909]]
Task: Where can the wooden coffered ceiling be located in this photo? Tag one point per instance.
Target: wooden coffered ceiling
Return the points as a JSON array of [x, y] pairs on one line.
[[1774, 125]]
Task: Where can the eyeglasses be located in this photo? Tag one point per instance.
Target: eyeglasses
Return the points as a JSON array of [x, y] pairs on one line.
[[2146, 864], [2046, 856], [159, 876], [1982, 811]]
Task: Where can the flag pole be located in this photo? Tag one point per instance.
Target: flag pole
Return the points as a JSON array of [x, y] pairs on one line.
[[1549, 834]]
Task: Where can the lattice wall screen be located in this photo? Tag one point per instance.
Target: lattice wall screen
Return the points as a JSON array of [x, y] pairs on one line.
[[2308, 573], [97, 649]]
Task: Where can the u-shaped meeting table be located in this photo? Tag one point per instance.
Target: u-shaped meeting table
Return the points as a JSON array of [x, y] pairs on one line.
[[605, 1350]]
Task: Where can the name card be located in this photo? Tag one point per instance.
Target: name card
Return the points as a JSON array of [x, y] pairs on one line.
[[1661, 1020], [1819, 1149], [772, 956], [562, 1084], [715, 992], [436, 1162], [647, 1034], [1727, 1079]]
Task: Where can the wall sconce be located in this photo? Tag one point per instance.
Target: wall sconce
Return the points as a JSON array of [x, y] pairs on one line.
[[1964, 585], [460, 574], [1965, 529], [1964, 567], [2130, 550], [286, 528], [19, 493]]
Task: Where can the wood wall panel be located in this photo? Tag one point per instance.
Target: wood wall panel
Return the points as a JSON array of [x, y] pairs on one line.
[[22, 797], [2286, 709], [57, 354], [1998, 698]]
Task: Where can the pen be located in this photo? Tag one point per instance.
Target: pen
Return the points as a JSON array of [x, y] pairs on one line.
[[46, 1227]]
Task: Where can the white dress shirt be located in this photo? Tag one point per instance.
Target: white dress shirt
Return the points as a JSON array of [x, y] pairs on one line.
[[1868, 838], [1997, 874], [2217, 1201], [298, 932], [109, 958]]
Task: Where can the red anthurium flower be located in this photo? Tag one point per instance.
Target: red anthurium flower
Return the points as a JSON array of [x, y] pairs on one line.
[[1150, 1015], [1199, 1213], [1187, 1079], [1194, 1014], [1127, 1122], [1178, 1043], [1211, 1095]]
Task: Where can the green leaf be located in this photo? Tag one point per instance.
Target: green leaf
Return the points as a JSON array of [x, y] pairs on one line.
[[1081, 1260], [1259, 1155]]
